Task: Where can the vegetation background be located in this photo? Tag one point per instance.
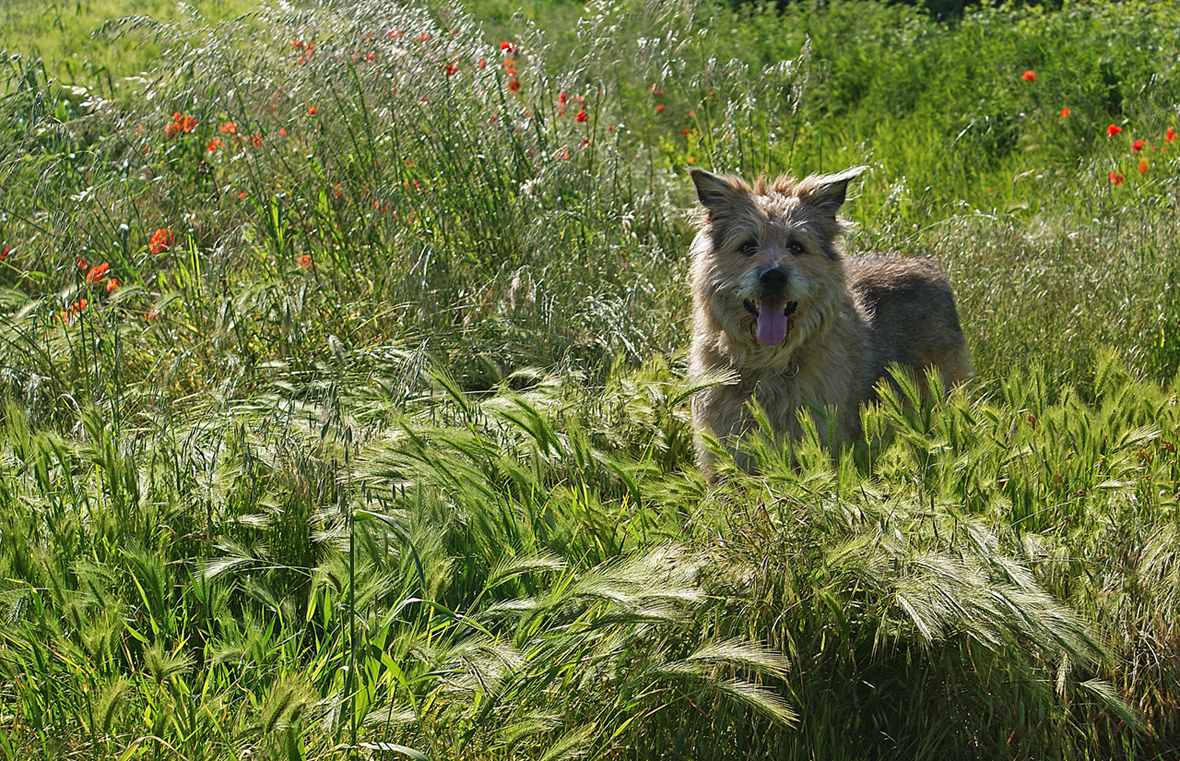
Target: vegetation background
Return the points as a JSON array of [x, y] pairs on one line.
[[344, 411]]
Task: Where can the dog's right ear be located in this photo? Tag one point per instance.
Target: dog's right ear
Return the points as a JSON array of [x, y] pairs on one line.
[[713, 191]]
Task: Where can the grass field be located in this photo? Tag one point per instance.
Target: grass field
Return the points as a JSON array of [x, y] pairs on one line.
[[344, 410]]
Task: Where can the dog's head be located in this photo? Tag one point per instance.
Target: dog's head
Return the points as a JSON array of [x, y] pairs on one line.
[[766, 268]]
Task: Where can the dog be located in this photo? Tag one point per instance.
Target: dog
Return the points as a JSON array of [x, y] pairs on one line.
[[783, 317]]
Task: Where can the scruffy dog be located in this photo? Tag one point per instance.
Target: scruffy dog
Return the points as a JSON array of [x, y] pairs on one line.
[[781, 313]]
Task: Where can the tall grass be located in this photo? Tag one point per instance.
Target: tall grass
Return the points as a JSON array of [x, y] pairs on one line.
[[379, 446]]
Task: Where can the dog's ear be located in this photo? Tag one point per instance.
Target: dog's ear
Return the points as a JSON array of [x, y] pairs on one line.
[[714, 192], [827, 192]]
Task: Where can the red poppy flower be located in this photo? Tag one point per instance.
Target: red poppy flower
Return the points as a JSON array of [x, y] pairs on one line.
[[81, 262], [508, 48], [1065, 112], [483, 64], [305, 261], [113, 284], [1115, 178], [660, 108], [685, 132], [311, 110], [228, 128], [257, 140], [161, 241], [1139, 145], [452, 69], [213, 145], [1170, 135], [581, 117], [1112, 130], [97, 272], [514, 85], [563, 98], [1029, 76], [283, 131], [1143, 165], [4, 253]]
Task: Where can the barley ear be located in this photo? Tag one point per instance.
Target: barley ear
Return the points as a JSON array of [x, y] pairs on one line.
[[827, 192]]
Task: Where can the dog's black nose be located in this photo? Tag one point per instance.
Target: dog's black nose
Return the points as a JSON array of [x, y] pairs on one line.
[[775, 277]]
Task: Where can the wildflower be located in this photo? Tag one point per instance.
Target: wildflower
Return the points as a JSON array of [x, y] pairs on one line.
[[113, 284], [1112, 130], [452, 69], [1029, 76], [228, 128], [180, 123], [242, 196], [1170, 135], [305, 261], [509, 48], [214, 144], [1065, 112], [161, 241], [563, 98], [1138, 145], [74, 310], [581, 117], [97, 273], [1116, 178], [514, 85], [256, 140], [81, 263], [660, 108], [283, 131], [311, 110], [4, 253], [685, 132], [585, 141], [371, 57], [563, 154], [1143, 165], [483, 63], [611, 128], [152, 315], [509, 63]]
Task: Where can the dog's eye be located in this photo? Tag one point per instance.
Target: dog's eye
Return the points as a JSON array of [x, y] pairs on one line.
[[796, 248], [749, 248]]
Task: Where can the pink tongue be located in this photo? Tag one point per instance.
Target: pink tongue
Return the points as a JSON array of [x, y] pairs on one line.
[[772, 323]]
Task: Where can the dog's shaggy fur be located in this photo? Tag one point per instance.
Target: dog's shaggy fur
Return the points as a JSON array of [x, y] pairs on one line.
[[792, 322]]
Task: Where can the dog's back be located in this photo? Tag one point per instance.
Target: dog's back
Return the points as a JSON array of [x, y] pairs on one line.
[[911, 318]]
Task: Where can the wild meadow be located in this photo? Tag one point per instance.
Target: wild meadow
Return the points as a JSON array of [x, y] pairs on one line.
[[343, 410]]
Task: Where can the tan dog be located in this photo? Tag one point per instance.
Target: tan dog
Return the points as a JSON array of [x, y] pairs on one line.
[[780, 311]]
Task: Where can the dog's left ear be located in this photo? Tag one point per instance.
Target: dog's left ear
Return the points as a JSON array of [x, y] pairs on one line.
[[827, 192]]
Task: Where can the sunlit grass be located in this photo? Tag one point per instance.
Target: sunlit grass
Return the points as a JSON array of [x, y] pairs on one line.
[[344, 411]]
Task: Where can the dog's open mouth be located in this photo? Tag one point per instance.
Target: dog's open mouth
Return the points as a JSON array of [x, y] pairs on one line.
[[772, 318]]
